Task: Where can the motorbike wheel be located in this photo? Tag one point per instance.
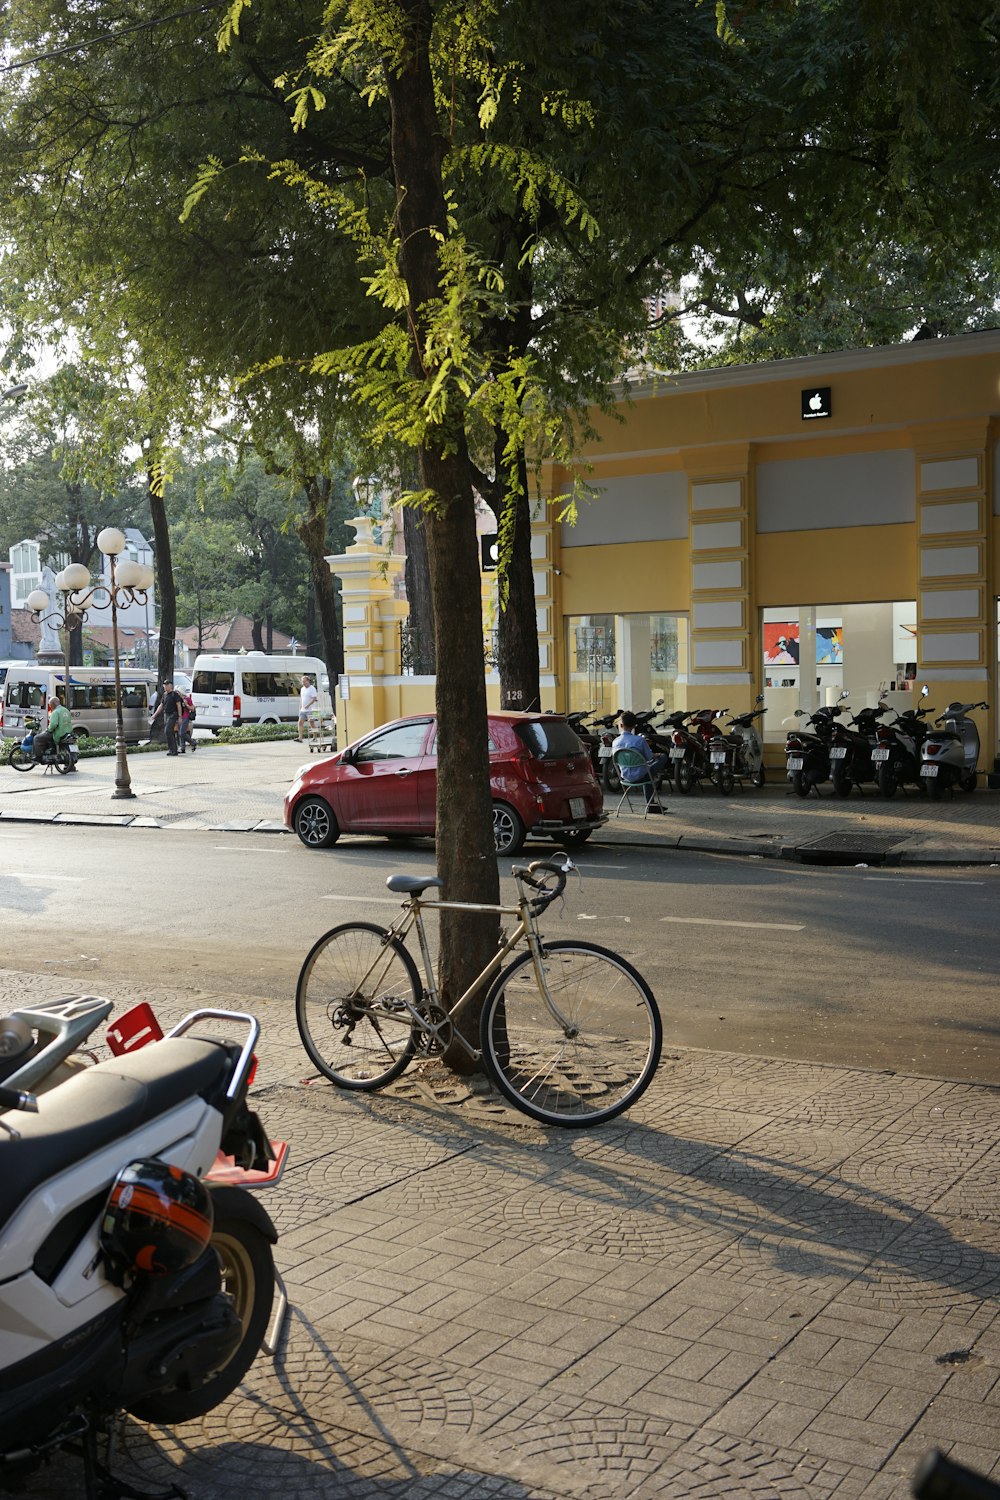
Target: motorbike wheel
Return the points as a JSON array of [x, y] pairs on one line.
[[935, 790], [64, 762], [800, 786], [967, 781], [841, 784], [725, 781], [684, 777], [20, 760], [888, 779], [247, 1266], [759, 777], [610, 778]]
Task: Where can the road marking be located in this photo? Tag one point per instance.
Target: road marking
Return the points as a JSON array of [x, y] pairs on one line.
[[39, 875], [719, 922], [925, 880], [251, 849]]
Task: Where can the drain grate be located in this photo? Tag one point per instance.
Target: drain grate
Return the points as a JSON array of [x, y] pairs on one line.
[[849, 849]]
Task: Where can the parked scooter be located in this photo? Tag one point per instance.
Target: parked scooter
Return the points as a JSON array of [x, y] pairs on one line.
[[807, 751], [22, 757], [41, 1045], [851, 749], [128, 1282], [896, 755], [739, 755], [949, 757], [693, 735], [588, 737]]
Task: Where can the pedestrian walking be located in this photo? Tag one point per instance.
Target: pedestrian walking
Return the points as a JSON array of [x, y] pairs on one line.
[[308, 697], [185, 727], [169, 709]]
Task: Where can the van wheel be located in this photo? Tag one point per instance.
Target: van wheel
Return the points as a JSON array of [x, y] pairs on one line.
[[315, 824], [508, 830]]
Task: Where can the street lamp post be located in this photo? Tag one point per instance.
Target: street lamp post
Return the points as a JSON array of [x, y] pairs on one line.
[[130, 582]]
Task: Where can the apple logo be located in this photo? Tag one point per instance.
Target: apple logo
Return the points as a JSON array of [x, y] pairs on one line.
[[816, 401]]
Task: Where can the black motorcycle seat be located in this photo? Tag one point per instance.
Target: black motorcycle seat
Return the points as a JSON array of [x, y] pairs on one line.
[[101, 1104]]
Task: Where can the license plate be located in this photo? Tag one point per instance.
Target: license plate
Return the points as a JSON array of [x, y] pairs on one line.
[[577, 807], [795, 762], [718, 757], [677, 753], [839, 752], [880, 754], [928, 770], [605, 752]]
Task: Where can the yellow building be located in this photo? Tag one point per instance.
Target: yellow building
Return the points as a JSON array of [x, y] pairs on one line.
[[789, 528]]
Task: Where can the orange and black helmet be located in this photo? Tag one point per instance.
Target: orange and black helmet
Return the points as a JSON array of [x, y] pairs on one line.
[[158, 1219]]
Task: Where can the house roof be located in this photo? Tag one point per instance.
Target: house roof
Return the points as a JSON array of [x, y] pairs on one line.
[[23, 629], [235, 634]]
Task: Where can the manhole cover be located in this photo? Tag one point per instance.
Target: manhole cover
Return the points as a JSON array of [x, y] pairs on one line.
[[849, 849]]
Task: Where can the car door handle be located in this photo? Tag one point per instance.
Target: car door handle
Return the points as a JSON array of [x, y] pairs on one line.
[[404, 771]]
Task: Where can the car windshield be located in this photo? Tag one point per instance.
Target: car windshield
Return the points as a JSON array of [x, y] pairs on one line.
[[549, 738]]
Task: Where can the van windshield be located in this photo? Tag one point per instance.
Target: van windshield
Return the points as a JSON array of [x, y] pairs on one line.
[[213, 682]]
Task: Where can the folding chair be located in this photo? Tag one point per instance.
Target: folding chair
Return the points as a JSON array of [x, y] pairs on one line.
[[632, 760]]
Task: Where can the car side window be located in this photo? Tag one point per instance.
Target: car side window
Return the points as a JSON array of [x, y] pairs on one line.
[[402, 742]]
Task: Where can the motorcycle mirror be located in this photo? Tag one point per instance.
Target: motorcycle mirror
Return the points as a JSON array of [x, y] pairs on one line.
[[845, 694], [924, 690]]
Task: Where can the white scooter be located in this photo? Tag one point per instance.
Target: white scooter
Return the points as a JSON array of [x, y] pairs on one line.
[[129, 1280], [949, 757], [739, 754]]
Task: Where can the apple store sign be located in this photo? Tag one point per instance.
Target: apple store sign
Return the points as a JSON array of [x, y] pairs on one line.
[[816, 402]]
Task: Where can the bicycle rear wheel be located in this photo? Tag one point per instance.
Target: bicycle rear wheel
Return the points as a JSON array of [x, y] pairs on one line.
[[350, 1006], [594, 1060]]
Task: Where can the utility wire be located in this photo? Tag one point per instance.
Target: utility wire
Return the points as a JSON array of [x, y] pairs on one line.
[[108, 41]]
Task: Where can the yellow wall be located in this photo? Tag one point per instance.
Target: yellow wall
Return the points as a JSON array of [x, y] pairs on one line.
[[855, 564]]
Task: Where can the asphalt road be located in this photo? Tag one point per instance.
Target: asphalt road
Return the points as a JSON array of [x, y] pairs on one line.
[[871, 968]]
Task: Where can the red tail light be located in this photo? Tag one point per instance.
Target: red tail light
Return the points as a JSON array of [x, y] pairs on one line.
[[884, 735], [793, 744], [237, 706], [932, 747], [677, 737]]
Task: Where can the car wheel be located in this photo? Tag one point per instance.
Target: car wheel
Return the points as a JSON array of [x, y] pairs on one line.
[[315, 824], [573, 838], [508, 830]]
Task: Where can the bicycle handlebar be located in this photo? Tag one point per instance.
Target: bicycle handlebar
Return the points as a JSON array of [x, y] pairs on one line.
[[527, 875]]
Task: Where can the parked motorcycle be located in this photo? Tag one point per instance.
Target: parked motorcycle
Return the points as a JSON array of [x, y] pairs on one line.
[[896, 755], [129, 1282], [807, 751], [41, 1045], [949, 757], [851, 749], [587, 735], [690, 752], [739, 754], [22, 757]]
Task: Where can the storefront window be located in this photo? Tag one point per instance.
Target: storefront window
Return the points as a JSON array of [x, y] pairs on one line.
[[625, 661], [812, 652]]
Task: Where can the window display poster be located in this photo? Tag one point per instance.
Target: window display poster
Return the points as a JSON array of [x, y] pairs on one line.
[[781, 643]]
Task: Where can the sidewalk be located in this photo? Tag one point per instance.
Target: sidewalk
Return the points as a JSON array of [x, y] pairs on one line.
[[239, 788], [771, 1281]]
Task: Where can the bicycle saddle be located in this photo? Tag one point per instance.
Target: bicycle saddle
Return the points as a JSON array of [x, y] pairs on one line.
[[413, 885]]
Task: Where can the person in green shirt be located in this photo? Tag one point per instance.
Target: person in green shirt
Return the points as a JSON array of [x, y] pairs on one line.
[[60, 725]]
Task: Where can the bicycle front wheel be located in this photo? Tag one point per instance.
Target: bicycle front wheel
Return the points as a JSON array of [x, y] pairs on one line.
[[351, 1006], [589, 1055]]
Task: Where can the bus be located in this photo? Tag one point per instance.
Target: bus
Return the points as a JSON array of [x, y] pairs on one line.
[[254, 688], [28, 686]]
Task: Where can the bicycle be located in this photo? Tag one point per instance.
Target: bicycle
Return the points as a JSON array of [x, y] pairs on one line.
[[570, 1032]]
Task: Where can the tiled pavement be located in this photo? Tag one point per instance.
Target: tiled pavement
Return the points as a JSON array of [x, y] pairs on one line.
[[771, 1279]]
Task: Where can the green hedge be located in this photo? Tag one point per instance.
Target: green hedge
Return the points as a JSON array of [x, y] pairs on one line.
[[92, 746], [246, 734]]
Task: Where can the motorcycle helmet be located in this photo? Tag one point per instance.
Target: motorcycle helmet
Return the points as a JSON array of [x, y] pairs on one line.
[[157, 1220]]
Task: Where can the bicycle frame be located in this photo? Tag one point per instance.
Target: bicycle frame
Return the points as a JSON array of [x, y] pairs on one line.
[[527, 928]]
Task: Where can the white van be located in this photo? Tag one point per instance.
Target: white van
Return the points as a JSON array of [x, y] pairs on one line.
[[254, 688], [28, 686]]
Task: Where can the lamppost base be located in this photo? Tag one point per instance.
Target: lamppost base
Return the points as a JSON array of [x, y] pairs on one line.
[[122, 791]]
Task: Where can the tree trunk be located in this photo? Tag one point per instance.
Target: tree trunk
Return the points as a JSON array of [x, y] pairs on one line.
[[418, 593], [257, 634], [466, 852], [517, 624], [312, 534], [164, 578]]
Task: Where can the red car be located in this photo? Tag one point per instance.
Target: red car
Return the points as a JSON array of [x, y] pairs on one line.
[[540, 776]]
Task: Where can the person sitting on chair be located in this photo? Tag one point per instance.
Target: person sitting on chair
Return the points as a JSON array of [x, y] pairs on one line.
[[647, 775], [60, 725]]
